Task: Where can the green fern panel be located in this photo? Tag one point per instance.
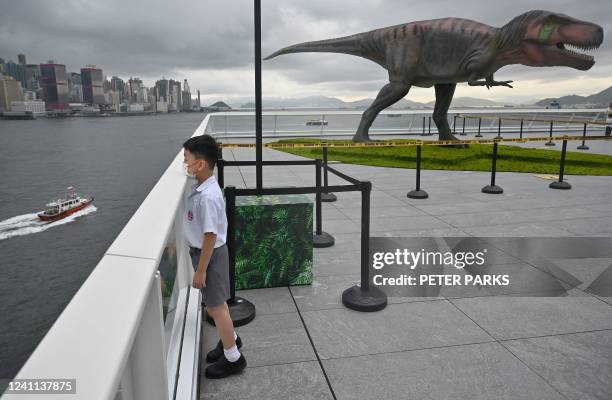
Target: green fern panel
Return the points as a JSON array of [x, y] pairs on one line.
[[273, 241]]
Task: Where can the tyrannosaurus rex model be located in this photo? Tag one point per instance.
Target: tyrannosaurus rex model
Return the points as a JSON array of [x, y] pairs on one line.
[[443, 52]]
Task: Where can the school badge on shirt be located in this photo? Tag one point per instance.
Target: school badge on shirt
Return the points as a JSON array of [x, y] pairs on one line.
[[189, 215]]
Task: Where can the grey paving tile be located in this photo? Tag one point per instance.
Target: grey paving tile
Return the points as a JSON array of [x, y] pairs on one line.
[[299, 381], [268, 339], [390, 224], [520, 317], [344, 332], [479, 371], [551, 228], [577, 365], [269, 300]]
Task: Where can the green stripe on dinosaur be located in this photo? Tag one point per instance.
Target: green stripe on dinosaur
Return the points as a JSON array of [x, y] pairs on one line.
[[546, 31]]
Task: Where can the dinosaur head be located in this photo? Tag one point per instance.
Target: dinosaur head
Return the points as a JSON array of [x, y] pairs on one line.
[[553, 39]]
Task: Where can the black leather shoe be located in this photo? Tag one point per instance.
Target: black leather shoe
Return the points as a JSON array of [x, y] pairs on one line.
[[217, 352], [223, 367]]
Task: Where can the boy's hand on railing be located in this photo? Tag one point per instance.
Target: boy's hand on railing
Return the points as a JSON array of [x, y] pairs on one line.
[[199, 279]]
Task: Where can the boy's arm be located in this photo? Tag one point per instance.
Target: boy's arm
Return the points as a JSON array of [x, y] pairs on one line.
[[208, 244]]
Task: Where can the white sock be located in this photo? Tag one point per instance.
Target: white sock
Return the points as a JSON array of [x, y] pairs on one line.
[[232, 354]]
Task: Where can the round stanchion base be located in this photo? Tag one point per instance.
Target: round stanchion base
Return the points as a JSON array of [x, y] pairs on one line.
[[478, 135], [328, 197], [549, 144], [241, 310], [492, 189], [322, 240], [373, 299], [463, 134], [417, 194], [560, 185], [583, 147]]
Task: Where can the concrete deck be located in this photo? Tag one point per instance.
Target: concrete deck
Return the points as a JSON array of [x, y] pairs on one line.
[[304, 344]]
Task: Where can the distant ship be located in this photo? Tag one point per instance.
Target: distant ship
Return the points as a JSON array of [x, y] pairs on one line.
[[311, 122], [63, 207]]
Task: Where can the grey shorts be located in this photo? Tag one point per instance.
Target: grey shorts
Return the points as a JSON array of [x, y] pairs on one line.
[[217, 289]]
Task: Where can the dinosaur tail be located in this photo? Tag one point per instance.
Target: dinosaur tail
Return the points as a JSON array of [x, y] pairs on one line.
[[346, 45]]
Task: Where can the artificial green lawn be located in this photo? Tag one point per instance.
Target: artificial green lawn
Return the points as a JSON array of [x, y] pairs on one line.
[[475, 158]]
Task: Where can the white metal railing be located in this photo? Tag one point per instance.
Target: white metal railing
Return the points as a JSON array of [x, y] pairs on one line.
[[279, 124], [112, 337]]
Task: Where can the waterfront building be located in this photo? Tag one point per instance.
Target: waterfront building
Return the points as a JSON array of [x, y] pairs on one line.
[[36, 107], [10, 91], [92, 81], [55, 86]]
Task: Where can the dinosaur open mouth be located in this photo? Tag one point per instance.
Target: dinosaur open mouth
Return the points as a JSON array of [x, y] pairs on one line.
[[586, 57]]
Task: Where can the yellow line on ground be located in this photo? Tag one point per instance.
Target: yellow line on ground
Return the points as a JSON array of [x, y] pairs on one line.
[[411, 144]]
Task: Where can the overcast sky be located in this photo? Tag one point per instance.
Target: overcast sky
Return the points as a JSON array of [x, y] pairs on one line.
[[211, 43]]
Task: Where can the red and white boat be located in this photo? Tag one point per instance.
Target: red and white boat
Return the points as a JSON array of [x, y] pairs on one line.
[[61, 208]]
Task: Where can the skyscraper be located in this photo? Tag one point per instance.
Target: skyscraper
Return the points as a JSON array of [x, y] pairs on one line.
[[21, 59], [9, 91], [55, 85], [186, 96], [76, 87], [17, 71], [92, 81]]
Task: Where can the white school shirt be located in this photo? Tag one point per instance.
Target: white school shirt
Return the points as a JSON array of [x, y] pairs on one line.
[[205, 212]]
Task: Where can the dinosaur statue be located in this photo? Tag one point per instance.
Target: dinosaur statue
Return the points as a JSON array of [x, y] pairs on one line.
[[443, 52]]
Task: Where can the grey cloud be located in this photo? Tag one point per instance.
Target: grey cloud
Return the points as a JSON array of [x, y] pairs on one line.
[[155, 38]]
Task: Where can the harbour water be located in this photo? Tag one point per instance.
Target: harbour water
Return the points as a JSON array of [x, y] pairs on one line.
[[116, 160]]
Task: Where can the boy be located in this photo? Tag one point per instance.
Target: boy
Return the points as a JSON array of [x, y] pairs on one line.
[[205, 229]]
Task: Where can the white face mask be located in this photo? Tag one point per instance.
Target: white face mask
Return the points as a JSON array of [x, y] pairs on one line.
[[186, 169]]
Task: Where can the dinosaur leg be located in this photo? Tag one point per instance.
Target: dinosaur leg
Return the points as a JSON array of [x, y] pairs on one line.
[[388, 95], [444, 96]]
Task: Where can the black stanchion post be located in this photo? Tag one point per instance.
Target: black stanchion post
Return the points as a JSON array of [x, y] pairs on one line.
[[479, 124], [429, 132], [241, 310], [363, 297], [325, 196], [463, 128], [423, 134], [560, 184], [499, 136], [550, 142], [220, 175], [418, 193], [493, 188], [320, 238], [583, 146], [521, 131]]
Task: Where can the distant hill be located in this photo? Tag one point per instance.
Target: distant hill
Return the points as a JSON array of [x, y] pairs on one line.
[[602, 98], [219, 104]]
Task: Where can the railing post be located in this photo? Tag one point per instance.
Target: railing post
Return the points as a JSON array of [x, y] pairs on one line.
[[418, 193], [560, 184], [220, 167], [479, 124], [363, 297], [320, 238], [499, 122], [583, 146], [521, 131], [242, 311], [463, 128], [550, 142], [326, 196], [454, 123], [429, 132], [423, 134], [493, 188]]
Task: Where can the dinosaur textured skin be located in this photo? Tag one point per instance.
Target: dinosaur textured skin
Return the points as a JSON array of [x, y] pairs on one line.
[[443, 52]]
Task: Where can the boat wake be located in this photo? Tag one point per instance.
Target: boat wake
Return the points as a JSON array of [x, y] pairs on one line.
[[27, 224]]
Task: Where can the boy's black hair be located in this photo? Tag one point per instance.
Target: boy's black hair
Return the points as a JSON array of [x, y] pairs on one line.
[[204, 147]]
